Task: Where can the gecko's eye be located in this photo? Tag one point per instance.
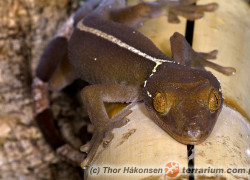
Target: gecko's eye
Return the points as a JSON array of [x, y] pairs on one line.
[[160, 103], [214, 100]]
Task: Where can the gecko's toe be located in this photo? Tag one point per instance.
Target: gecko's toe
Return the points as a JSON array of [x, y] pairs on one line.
[[211, 7], [100, 137], [108, 138], [204, 60], [85, 148], [88, 146], [91, 148], [120, 123], [173, 18], [86, 162], [120, 119], [209, 55]]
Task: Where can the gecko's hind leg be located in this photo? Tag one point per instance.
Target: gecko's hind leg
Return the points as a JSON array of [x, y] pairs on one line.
[[134, 16], [54, 73], [183, 53]]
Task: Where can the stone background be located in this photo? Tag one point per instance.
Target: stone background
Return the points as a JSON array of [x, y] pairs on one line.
[[26, 26]]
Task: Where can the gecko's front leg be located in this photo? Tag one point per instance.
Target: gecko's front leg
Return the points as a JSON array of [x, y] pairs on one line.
[[184, 54], [94, 97]]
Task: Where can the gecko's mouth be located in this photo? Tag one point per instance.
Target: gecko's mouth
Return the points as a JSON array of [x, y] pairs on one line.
[[188, 141], [190, 134]]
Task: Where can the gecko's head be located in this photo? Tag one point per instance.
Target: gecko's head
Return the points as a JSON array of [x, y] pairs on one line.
[[184, 102]]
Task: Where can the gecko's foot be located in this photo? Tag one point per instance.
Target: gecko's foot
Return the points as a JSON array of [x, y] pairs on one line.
[[184, 54], [209, 55], [202, 60], [189, 11], [199, 59], [103, 135]]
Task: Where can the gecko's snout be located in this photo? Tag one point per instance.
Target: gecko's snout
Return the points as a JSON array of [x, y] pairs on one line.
[[193, 131]]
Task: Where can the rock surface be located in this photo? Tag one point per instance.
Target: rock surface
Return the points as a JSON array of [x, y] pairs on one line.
[[26, 28]]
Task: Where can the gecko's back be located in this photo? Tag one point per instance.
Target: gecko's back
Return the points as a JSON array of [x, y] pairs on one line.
[[111, 52]]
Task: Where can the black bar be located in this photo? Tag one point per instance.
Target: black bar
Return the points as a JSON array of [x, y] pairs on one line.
[[190, 148], [189, 32], [190, 151]]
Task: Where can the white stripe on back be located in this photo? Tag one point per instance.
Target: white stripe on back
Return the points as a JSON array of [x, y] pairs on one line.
[[124, 45]]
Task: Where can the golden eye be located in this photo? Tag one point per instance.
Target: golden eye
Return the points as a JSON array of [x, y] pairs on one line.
[[160, 103], [214, 100]]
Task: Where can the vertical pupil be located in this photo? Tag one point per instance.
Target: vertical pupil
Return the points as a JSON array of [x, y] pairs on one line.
[[217, 100]]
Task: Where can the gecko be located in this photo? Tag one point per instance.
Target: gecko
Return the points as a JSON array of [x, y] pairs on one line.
[[100, 45]]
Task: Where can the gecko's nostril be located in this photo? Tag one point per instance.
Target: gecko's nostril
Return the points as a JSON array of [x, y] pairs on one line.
[[193, 131]]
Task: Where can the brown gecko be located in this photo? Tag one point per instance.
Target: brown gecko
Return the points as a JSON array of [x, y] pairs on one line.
[[122, 65]]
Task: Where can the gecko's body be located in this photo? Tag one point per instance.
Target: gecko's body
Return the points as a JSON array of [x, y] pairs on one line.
[[100, 46], [122, 65]]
